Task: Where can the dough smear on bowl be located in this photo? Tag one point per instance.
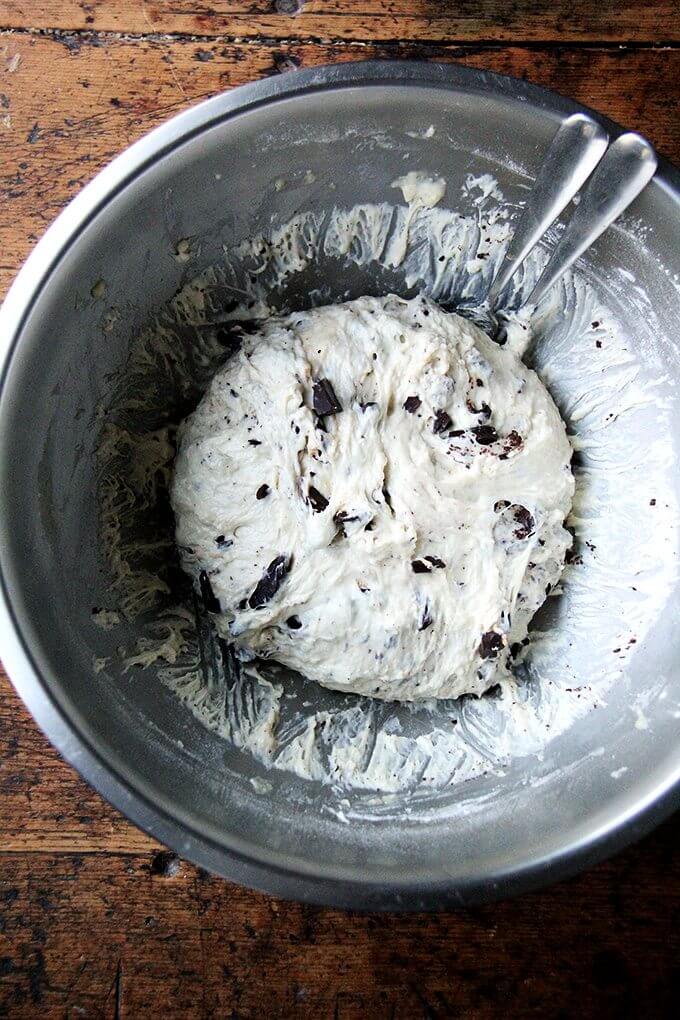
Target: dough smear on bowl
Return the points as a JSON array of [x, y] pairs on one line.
[[373, 493]]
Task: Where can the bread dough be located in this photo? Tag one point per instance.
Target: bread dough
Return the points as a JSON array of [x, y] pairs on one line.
[[373, 493]]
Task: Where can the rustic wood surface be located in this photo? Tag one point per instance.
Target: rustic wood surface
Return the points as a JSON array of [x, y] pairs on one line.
[[96, 920]]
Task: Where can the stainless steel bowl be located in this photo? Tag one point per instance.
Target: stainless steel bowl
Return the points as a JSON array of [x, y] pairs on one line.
[[207, 174]]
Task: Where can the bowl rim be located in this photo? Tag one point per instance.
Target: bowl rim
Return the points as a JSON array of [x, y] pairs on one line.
[[250, 868]]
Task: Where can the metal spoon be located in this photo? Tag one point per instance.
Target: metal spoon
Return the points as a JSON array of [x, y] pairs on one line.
[[625, 169], [574, 153]]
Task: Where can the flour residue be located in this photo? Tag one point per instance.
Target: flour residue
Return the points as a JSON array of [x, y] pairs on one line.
[[382, 758]]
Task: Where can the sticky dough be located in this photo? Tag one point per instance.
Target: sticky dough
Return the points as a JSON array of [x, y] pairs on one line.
[[373, 493]]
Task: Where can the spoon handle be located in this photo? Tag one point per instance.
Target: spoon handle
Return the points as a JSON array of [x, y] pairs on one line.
[[572, 156], [628, 165]]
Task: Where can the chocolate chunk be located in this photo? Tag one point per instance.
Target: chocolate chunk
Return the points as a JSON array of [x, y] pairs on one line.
[[262, 492], [325, 400], [210, 602], [479, 382], [484, 411], [491, 644], [270, 582], [515, 649], [294, 622], [317, 500], [411, 404], [442, 422], [418, 567], [526, 524], [501, 504], [513, 440], [342, 517], [426, 619], [485, 434], [456, 433], [254, 442], [436, 562]]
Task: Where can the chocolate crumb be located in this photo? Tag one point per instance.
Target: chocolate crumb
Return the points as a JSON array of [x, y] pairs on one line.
[[479, 382], [211, 603], [426, 619], [222, 542], [270, 582], [526, 524], [513, 440], [515, 649], [370, 526], [411, 404], [436, 562], [418, 567], [652, 502], [243, 603], [254, 442], [485, 434], [598, 343], [442, 422], [262, 492], [369, 403], [294, 622], [501, 504], [491, 644], [325, 400], [317, 500]]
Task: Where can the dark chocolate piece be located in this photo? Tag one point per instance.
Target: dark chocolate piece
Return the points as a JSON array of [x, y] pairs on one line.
[[294, 622], [254, 442], [270, 582], [418, 567], [411, 404], [442, 422], [436, 562], [513, 440], [317, 500], [491, 644], [262, 492], [485, 434], [426, 619], [325, 400], [484, 411], [501, 504], [526, 524], [211, 603]]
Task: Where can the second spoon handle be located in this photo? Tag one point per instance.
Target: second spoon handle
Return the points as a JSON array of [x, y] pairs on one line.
[[574, 152], [627, 166]]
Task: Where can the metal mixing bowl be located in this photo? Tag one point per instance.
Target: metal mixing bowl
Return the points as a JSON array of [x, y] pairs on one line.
[[207, 174]]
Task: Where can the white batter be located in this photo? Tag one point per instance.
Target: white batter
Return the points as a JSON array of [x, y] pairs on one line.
[[373, 494]]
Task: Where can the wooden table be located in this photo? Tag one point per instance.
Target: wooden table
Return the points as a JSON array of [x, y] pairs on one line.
[[96, 920]]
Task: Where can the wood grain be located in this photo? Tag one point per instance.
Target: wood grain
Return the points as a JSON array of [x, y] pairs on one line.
[[44, 804], [69, 104], [112, 936], [456, 20]]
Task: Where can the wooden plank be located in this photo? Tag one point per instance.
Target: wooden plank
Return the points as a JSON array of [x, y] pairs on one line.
[[68, 105], [44, 804], [456, 20], [79, 935]]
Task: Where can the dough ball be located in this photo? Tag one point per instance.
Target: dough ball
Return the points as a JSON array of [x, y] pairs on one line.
[[373, 493]]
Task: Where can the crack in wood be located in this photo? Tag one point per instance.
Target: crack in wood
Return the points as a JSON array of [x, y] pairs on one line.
[[73, 38]]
